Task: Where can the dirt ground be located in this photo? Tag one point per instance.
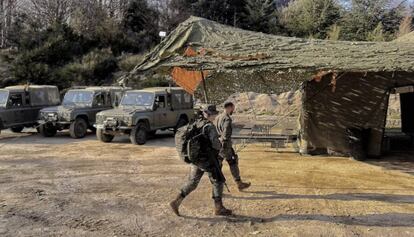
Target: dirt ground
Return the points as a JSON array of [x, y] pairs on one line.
[[64, 187]]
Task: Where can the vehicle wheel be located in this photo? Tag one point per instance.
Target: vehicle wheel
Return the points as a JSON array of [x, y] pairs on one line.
[[181, 122], [103, 137], [78, 128], [17, 129], [47, 130], [139, 134]]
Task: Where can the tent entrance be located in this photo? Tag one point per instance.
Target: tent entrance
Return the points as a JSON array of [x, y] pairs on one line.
[[399, 129]]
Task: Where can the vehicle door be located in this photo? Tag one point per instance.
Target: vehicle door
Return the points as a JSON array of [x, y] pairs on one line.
[[162, 114], [175, 98], [31, 112], [101, 101], [15, 110]]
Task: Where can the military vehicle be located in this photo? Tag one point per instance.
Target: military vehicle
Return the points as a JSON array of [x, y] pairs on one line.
[[142, 112], [78, 110], [20, 105]]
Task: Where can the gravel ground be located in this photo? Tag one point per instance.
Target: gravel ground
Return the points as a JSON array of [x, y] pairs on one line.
[[65, 187]]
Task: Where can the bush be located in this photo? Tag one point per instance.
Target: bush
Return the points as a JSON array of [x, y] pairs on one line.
[[306, 18], [38, 65], [154, 82], [95, 68], [128, 62]]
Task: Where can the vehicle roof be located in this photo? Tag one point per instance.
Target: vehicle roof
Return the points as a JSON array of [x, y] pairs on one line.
[[157, 89], [100, 88], [20, 88]]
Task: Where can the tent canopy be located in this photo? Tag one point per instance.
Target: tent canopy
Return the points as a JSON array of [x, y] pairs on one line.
[[218, 47]]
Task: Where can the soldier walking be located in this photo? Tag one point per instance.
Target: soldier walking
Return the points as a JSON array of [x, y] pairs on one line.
[[224, 127], [209, 149]]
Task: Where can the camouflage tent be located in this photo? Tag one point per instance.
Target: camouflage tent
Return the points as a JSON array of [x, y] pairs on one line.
[[346, 84]]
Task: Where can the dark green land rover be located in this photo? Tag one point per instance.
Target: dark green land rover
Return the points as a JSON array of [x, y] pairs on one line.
[[142, 112], [78, 110], [20, 105]]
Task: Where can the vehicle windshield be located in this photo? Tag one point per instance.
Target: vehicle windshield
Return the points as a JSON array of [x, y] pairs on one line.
[[4, 95], [78, 98], [137, 99]]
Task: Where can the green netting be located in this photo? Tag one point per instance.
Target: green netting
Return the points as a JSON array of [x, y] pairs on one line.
[[230, 49]]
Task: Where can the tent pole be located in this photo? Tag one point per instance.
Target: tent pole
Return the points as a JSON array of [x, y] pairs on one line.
[[204, 87]]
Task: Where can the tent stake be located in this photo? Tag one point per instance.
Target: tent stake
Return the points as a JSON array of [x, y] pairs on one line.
[[204, 87]]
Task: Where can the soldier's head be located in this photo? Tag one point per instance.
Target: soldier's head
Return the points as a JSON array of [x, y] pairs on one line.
[[229, 107], [210, 112]]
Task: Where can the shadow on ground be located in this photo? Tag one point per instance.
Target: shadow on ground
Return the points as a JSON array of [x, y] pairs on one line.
[[378, 220], [31, 137], [400, 161], [270, 195]]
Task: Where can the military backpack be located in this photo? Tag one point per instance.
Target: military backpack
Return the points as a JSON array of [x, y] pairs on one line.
[[188, 140]]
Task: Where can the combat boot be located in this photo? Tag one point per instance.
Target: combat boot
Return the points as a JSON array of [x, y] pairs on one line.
[[175, 204], [241, 185], [219, 209]]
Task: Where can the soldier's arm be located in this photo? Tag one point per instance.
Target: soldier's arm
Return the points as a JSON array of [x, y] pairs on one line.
[[227, 129], [214, 137]]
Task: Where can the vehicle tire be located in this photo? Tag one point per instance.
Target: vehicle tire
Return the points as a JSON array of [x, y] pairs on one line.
[[181, 122], [17, 129], [47, 130], [103, 137], [139, 134], [78, 128]]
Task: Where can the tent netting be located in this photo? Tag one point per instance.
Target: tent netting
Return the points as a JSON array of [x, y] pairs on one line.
[[219, 47], [239, 61]]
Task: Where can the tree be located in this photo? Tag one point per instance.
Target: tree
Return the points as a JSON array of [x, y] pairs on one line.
[[57, 46], [8, 11], [140, 23], [304, 18], [49, 12], [260, 15], [224, 11], [364, 16], [172, 13]]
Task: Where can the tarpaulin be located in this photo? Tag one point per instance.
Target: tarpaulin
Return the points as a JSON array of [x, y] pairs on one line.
[[188, 80]]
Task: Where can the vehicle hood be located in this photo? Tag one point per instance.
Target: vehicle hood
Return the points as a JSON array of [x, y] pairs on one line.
[[58, 109], [123, 111]]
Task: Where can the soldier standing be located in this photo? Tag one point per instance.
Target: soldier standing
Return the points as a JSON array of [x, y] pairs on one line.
[[208, 151], [224, 125]]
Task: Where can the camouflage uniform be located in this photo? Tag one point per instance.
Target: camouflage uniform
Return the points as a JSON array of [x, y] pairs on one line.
[[208, 161], [197, 171], [224, 125]]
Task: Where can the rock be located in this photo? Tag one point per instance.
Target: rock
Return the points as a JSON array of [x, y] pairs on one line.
[[266, 104]]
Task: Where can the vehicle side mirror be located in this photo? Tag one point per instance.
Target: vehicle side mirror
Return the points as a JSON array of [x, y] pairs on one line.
[[155, 107]]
